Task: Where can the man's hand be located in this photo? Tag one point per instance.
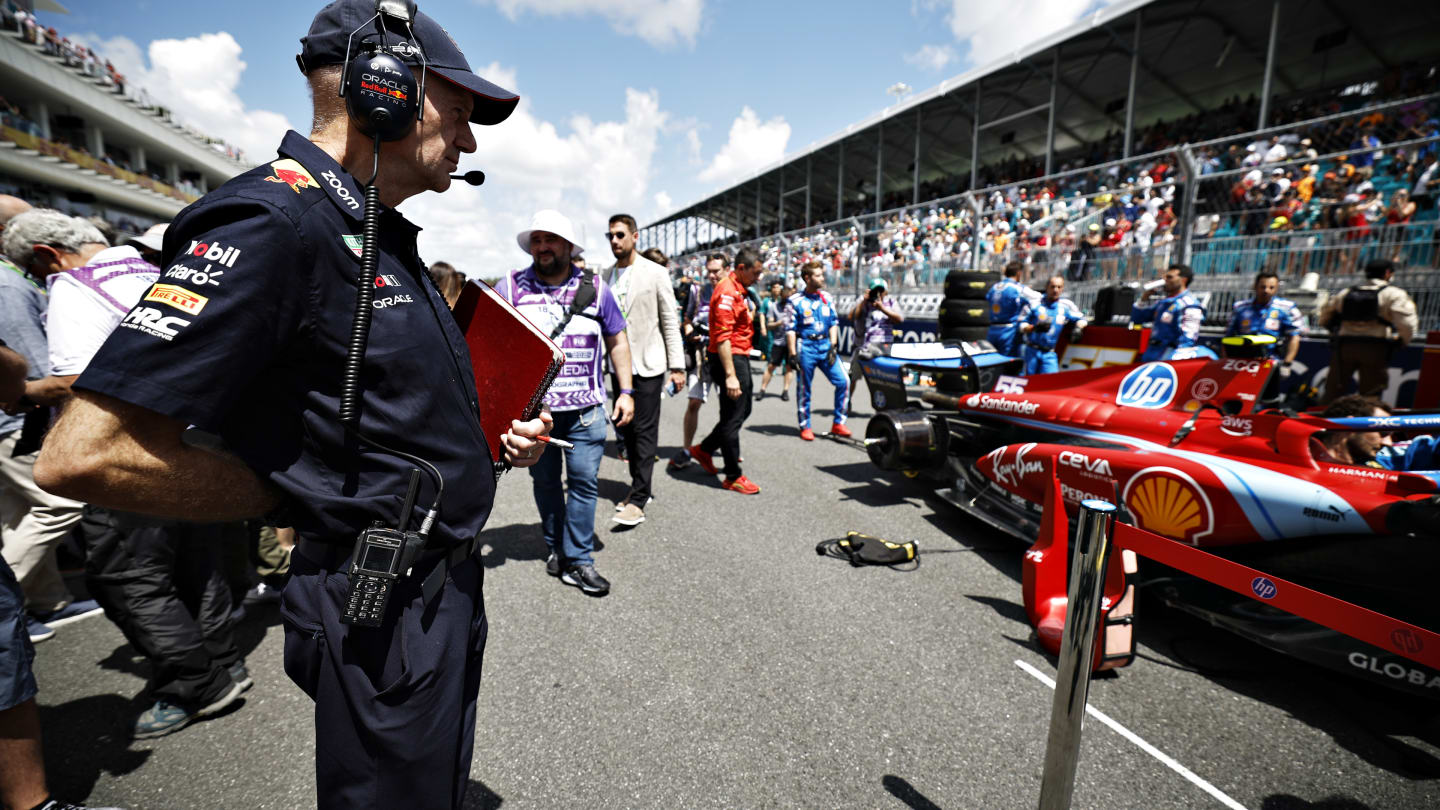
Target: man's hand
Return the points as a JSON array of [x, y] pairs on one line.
[[624, 410], [677, 377], [732, 386], [522, 448], [830, 358]]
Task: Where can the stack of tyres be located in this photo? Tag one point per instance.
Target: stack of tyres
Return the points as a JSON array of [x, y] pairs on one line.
[[964, 315]]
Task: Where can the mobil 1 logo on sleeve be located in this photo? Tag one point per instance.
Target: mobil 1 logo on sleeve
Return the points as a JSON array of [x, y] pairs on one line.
[[214, 252], [1152, 385]]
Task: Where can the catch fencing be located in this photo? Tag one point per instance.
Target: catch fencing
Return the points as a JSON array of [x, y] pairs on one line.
[[1323, 195]]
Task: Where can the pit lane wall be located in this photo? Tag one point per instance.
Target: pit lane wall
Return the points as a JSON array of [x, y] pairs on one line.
[[1118, 346]]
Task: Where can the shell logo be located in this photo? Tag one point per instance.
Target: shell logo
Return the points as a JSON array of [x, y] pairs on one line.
[[1168, 502]]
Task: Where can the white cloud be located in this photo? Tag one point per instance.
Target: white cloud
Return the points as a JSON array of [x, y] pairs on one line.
[[196, 78], [991, 29], [663, 201], [931, 57], [588, 170], [752, 144], [659, 22], [692, 143]]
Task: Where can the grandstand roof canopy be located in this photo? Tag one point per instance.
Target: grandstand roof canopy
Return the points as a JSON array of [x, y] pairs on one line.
[[1117, 72]]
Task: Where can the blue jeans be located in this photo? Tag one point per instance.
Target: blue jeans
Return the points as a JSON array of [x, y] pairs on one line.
[[569, 524], [1040, 361]]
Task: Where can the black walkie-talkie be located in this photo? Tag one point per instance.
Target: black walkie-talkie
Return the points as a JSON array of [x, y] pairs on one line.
[[381, 557]]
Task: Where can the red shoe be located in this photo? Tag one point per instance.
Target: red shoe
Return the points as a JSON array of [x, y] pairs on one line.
[[807, 434], [704, 459], [742, 485], [838, 429]]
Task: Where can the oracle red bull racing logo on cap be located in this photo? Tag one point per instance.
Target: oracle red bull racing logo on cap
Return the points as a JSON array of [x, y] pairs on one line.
[[1152, 385], [292, 174]]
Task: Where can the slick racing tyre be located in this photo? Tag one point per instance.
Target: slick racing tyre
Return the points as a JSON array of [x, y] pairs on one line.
[[961, 312], [968, 333], [969, 285]]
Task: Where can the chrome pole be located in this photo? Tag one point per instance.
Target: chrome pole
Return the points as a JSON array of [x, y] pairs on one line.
[[1077, 652]]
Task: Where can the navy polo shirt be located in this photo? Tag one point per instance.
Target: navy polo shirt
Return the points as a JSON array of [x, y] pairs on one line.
[[244, 336]]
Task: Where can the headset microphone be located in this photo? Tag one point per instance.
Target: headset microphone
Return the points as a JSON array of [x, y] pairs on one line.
[[474, 178]]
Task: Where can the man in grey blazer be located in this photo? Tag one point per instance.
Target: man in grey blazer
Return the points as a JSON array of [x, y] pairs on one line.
[[652, 323]]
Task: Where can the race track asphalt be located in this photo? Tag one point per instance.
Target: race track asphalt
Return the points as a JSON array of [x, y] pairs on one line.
[[733, 668]]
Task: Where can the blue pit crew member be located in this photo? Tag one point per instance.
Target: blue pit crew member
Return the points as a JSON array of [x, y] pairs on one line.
[[246, 340], [1044, 323], [812, 333], [1008, 300], [1176, 316], [1267, 314]]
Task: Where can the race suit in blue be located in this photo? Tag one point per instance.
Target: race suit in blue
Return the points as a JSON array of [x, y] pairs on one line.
[[1008, 299], [1279, 318], [811, 316], [1176, 331], [1048, 319]]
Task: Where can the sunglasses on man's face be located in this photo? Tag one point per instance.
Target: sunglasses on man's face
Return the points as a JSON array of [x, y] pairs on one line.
[[617, 235]]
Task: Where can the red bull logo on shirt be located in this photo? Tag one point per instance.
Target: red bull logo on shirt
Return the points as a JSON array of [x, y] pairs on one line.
[[292, 174]]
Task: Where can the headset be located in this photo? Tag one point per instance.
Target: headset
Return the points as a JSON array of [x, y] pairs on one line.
[[379, 89]]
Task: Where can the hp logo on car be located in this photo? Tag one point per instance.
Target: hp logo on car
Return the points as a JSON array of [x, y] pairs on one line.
[[1263, 587], [1152, 385]]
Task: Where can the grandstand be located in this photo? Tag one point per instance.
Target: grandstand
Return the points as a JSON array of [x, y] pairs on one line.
[[76, 136], [1297, 135]]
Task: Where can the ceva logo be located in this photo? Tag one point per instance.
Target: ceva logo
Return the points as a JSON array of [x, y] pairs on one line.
[[1152, 385]]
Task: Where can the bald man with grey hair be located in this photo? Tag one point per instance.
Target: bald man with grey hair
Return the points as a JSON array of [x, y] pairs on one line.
[[44, 241]]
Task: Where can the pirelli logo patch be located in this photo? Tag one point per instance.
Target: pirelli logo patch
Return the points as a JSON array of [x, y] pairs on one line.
[[177, 297]]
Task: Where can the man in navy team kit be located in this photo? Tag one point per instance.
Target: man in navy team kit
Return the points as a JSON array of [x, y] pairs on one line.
[[255, 357]]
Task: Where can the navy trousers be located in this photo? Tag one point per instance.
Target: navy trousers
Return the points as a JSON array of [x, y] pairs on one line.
[[395, 704]]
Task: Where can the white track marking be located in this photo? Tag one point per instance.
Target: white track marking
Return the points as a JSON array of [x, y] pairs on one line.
[[1144, 746]]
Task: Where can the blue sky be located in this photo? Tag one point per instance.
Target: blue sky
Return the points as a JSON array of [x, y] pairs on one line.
[[635, 105]]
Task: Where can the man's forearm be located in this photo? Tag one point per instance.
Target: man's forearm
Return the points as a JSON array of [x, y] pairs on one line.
[[1292, 348], [49, 391], [12, 375], [727, 360], [620, 358], [110, 453]]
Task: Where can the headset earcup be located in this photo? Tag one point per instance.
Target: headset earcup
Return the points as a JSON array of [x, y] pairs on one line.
[[380, 96]]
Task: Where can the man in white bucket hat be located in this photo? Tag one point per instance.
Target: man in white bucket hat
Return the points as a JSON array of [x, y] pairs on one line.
[[580, 313]]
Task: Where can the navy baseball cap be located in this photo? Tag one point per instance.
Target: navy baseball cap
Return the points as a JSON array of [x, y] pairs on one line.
[[330, 32]]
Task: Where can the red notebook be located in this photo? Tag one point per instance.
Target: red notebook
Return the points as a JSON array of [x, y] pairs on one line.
[[514, 362]]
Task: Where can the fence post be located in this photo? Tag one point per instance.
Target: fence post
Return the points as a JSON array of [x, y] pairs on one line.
[[1185, 159], [1077, 652], [974, 230]]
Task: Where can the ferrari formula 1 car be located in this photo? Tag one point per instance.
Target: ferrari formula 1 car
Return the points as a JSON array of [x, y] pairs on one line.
[[1187, 450]]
